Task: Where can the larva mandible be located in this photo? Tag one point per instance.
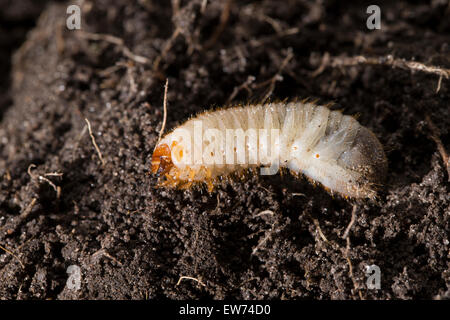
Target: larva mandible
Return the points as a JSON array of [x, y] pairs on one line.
[[325, 146]]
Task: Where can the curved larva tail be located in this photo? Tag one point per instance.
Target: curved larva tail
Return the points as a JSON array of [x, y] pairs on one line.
[[325, 146]]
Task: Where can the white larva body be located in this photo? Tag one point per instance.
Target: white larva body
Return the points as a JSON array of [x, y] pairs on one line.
[[324, 145]]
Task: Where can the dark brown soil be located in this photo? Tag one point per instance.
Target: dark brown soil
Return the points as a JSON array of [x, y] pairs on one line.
[[133, 241]]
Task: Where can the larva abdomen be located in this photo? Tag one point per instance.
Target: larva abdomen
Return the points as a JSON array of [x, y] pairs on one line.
[[324, 145]]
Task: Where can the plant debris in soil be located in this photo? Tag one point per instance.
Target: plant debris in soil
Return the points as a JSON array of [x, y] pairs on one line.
[[81, 111]]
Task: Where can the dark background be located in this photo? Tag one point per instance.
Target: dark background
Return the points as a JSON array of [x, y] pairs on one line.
[[133, 241]]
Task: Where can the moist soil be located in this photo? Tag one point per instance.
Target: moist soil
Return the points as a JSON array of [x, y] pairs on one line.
[[64, 203]]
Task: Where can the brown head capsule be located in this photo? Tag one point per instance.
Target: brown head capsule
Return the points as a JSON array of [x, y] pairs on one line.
[[161, 160]]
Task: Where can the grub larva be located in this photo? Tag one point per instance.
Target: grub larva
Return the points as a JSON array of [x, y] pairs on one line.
[[325, 146]]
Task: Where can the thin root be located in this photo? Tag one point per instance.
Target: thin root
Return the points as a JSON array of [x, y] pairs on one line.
[[388, 60], [319, 230], [168, 45], [166, 87], [103, 252], [28, 209], [116, 41], [264, 240], [225, 15], [277, 77], [14, 255], [43, 178], [352, 222], [269, 212], [350, 268], [435, 136], [347, 250], [94, 143], [190, 278]]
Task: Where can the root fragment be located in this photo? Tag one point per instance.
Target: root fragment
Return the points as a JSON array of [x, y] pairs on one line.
[[435, 136], [13, 254], [94, 143], [388, 60], [190, 278], [116, 41]]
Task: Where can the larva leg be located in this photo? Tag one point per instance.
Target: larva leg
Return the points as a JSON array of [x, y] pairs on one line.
[[190, 181], [209, 180], [162, 184], [191, 175], [171, 182]]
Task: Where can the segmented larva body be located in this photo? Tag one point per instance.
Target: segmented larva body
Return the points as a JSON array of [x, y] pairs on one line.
[[325, 146]]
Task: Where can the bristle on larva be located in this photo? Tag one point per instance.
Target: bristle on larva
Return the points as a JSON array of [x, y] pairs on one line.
[[325, 146]]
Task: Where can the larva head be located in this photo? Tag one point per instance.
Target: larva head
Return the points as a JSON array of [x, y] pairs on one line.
[[171, 153], [161, 159]]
